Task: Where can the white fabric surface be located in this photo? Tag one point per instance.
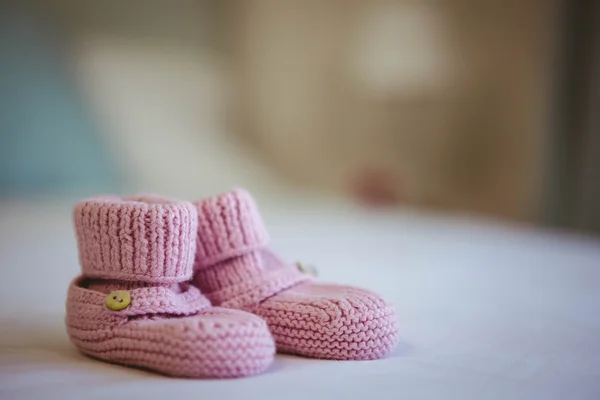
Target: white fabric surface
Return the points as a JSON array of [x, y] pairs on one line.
[[486, 311]]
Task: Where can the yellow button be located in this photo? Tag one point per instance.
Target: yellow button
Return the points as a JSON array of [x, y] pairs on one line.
[[307, 269], [118, 300]]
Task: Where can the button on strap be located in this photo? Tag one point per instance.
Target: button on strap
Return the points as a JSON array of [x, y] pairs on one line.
[[162, 300], [118, 300], [142, 301]]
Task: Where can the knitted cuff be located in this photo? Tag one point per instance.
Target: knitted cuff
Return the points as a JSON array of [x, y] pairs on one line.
[[145, 238], [228, 225]]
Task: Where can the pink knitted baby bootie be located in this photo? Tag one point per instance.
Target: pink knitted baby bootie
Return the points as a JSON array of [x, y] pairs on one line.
[[235, 269], [133, 306]]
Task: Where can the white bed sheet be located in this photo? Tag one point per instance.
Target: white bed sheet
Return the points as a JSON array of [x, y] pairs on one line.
[[486, 311]]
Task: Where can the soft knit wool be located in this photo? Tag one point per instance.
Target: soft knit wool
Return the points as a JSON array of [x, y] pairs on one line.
[[235, 269], [145, 246]]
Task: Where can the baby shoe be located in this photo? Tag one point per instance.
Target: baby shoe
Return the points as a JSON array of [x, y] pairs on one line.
[[235, 269], [133, 303]]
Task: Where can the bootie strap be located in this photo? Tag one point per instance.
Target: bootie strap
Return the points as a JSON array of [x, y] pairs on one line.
[[141, 301], [250, 293]]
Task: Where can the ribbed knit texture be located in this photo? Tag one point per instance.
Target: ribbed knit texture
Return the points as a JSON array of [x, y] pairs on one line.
[[169, 326], [136, 240], [305, 317], [228, 226]]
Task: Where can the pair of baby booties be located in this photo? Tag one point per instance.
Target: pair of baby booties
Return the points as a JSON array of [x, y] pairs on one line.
[[192, 290]]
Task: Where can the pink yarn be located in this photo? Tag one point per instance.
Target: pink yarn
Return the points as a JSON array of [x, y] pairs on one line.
[[228, 226], [235, 269], [136, 240], [331, 321], [146, 247]]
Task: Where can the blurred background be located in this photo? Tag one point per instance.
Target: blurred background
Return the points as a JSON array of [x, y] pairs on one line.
[[458, 106]]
